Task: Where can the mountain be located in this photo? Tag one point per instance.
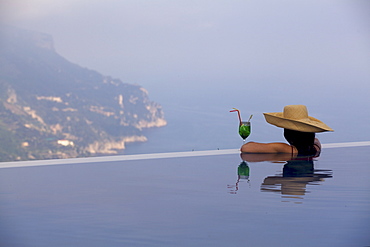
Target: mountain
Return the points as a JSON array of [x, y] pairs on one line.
[[52, 108]]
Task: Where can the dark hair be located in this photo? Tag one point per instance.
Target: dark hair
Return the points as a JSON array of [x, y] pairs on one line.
[[303, 141]]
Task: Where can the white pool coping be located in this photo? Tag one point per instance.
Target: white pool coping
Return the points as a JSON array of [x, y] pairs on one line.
[[15, 164]]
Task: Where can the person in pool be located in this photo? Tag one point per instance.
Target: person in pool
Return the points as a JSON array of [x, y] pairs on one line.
[[299, 131]]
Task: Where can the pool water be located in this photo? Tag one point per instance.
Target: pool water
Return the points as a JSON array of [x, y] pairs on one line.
[[214, 200]]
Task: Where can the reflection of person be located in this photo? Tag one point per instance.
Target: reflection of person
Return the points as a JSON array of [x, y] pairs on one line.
[[299, 131], [297, 173]]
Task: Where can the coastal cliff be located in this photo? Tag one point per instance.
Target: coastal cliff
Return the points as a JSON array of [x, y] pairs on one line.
[[52, 108]]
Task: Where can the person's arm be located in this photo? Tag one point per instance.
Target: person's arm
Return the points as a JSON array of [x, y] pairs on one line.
[[317, 144], [275, 147]]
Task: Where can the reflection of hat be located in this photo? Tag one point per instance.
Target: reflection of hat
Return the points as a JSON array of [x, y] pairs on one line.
[[295, 117]]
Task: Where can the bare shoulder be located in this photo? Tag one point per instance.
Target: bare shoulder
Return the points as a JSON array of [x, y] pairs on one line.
[[274, 147]]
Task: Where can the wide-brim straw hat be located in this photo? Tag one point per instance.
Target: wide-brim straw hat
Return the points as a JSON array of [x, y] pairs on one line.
[[295, 117]]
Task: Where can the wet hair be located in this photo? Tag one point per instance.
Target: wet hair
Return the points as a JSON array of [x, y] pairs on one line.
[[303, 141]]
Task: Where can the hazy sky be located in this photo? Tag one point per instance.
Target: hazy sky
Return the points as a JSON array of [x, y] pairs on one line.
[[254, 55]]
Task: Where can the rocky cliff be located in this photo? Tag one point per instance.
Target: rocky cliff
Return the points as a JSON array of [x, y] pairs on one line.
[[52, 108]]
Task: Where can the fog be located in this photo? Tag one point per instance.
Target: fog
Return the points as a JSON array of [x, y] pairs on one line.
[[201, 58]]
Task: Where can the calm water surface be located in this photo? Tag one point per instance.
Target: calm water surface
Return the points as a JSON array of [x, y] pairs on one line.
[[193, 201]]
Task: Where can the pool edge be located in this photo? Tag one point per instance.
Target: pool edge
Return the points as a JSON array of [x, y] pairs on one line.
[[15, 164]]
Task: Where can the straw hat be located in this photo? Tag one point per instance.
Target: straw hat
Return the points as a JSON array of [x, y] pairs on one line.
[[295, 117]]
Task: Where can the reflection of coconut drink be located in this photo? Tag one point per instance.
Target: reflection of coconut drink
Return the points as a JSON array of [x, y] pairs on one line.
[[243, 170], [244, 127]]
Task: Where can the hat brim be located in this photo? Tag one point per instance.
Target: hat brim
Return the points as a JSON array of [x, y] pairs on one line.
[[309, 124]]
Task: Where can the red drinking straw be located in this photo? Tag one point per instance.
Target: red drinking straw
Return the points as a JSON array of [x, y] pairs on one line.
[[236, 110]]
